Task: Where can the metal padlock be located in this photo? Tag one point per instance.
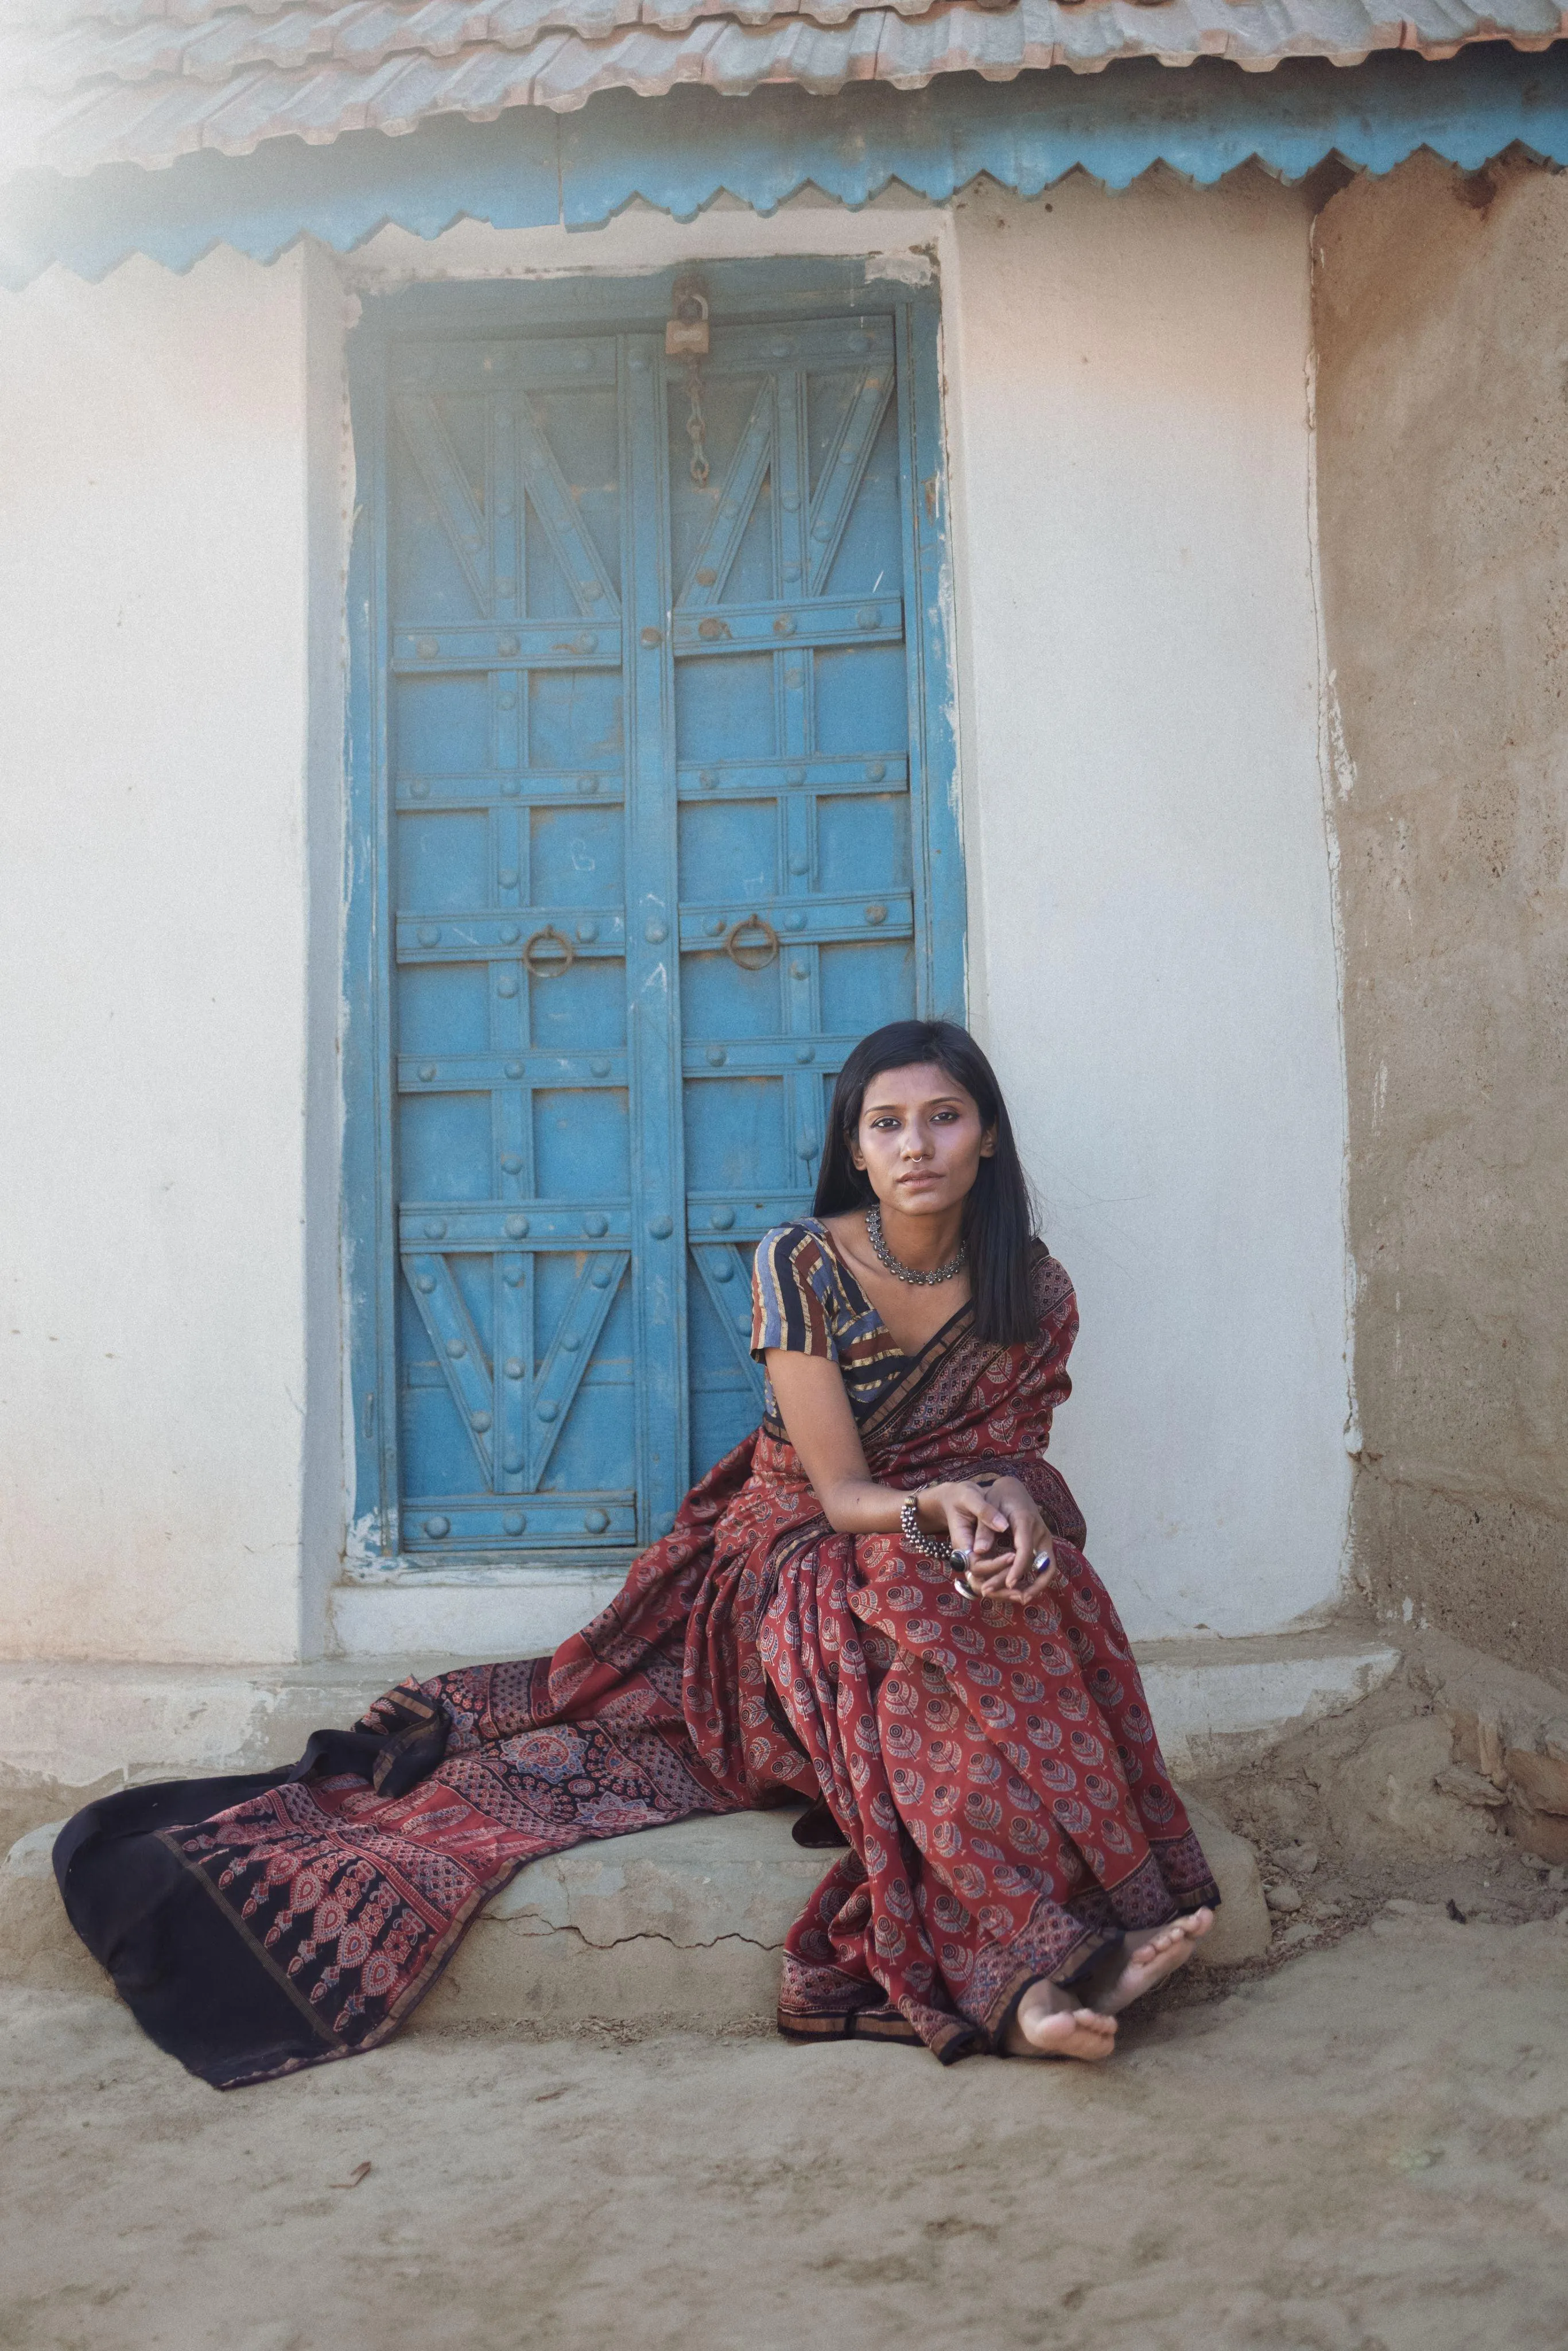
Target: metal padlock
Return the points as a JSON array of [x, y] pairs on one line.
[[685, 332]]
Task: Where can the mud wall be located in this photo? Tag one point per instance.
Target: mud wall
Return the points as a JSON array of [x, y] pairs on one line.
[[1441, 323]]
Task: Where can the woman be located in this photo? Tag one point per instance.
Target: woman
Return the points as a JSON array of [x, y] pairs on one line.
[[876, 1604]]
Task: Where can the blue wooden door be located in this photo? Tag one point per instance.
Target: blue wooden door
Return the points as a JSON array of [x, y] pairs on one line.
[[655, 678]]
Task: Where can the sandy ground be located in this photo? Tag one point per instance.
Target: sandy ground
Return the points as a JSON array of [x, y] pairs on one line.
[[1359, 2142], [1365, 2151]]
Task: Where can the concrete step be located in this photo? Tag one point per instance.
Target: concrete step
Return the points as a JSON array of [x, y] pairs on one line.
[[682, 1928], [674, 1928], [94, 1726], [677, 1926], [1217, 1701], [487, 1612]]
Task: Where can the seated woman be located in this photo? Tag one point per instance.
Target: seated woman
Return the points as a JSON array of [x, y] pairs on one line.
[[877, 1602]]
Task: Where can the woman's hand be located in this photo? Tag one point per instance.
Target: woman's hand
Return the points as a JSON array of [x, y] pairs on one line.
[[966, 1516], [999, 1525], [1022, 1568]]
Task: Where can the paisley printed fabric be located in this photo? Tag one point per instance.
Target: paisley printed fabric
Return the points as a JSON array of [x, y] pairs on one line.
[[1011, 1811], [993, 1766]]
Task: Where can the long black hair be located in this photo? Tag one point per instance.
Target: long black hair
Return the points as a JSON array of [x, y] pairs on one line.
[[999, 1215]]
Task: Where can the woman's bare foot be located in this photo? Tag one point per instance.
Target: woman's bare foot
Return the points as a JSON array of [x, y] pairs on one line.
[[1047, 2022], [1148, 1959]]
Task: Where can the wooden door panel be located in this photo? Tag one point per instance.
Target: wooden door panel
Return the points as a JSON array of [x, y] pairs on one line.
[[796, 873], [506, 721]]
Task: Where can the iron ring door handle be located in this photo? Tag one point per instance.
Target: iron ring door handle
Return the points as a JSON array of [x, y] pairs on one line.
[[754, 953], [554, 965]]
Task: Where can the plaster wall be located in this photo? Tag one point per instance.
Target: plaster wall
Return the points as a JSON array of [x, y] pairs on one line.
[[1442, 323], [159, 1403], [1152, 953], [1153, 947]]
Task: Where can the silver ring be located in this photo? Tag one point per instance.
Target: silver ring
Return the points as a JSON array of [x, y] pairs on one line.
[[1041, 1558]]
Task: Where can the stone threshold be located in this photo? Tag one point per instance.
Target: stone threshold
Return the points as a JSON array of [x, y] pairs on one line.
[[88, 1727], [675, 1928]]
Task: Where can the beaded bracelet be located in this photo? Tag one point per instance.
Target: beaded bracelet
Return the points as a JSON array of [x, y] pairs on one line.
[[909, 1524]]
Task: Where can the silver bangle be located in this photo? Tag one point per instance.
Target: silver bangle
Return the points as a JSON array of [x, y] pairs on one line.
[[910, 1527]]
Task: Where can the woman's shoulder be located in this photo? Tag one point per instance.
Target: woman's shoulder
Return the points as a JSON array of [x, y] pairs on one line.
[[798, 1251], [795, 1302]]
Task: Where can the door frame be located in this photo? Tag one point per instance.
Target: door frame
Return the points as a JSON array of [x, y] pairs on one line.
[[763, 288]]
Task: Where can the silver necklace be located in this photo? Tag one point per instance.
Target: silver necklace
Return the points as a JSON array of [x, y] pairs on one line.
[[896, 1267]]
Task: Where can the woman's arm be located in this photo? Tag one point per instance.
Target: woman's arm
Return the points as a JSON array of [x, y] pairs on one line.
[[822, 1428]]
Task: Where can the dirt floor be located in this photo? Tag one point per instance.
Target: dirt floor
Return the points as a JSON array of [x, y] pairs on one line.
[[1358, 2144], [1367, 2152]]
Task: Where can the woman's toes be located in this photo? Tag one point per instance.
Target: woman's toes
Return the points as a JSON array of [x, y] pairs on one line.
[[1099, 2031], [1172, 1937], [1154, 1958], [1079, 2033], [1048, 2024]]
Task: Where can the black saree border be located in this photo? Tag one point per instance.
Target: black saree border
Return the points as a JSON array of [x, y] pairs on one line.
[[859, 2025], [337, 2041], [906, 1385], [193, 1985], [398, 2009], [957, 1331], [907, 1391]]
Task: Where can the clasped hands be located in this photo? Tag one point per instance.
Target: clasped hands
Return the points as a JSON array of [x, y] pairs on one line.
[[1011, 1553]]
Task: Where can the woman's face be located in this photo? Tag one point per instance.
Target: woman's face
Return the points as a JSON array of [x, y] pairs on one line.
[[920, 1140]]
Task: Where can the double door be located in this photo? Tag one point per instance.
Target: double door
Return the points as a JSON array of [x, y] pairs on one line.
[[654, 651]]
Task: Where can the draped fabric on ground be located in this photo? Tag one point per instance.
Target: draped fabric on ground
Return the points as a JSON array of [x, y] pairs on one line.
[[993, 1768]]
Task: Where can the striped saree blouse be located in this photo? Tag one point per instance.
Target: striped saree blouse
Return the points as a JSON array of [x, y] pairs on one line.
[[805, 1299]]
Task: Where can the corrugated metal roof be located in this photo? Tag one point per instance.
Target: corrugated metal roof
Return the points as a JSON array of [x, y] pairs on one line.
[[87, 82], [531, 168]]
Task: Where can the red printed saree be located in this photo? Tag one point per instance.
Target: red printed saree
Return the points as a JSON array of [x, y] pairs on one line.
[[993, 1768]]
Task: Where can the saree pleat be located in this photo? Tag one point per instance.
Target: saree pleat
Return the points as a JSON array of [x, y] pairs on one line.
[[992, 1768]]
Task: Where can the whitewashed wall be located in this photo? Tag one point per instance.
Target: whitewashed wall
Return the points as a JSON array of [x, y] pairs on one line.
[[1152, 944], [159, 1432]]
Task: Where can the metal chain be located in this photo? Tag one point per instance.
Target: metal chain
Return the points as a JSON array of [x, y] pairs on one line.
[[696, 425]]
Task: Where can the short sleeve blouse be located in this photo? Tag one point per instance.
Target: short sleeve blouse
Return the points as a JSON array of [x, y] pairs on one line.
[[805, 1301]]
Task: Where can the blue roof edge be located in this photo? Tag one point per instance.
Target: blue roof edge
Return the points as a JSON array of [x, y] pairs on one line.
[[529, 169]]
